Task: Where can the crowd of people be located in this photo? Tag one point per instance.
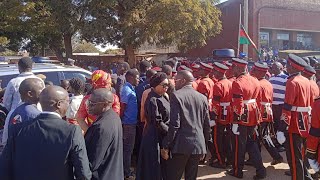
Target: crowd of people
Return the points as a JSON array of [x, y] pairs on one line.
[[162, 122]]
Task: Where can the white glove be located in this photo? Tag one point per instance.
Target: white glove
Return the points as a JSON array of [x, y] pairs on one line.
[[212, 123], [280, 137], [235, 129], [314, 164]]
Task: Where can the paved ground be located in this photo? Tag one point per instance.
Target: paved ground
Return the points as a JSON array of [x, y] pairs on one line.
[[273, 172]]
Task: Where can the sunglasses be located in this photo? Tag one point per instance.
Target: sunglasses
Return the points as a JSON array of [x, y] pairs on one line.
[[92, 103], [164, 85]]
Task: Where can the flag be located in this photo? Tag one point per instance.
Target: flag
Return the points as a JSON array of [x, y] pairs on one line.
[[244, 38]]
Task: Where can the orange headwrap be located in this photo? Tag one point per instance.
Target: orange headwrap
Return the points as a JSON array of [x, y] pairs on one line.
[[101, 79]]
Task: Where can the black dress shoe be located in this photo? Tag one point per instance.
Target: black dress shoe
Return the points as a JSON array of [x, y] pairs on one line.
[[287, 173], [315, 175], [276, 161], [281, 149], [231, 173], [258, 176], [218, 165], [248, 163]]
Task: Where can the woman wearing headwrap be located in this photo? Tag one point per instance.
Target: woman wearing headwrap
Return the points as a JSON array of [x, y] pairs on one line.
[[157, 110], [99, 79]]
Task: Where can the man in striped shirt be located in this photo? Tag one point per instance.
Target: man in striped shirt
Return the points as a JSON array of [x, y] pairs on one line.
[[278, 81]]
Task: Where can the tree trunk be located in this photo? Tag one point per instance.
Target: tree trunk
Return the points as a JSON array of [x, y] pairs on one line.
[[58, 52], [130, 56], [68, 45]]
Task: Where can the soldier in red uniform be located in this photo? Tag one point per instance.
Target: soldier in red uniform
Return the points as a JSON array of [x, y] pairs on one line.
[[99, 79], [205, 87], [206, 84], [195, 68], [313, 140], [221, 116], [295, 117], [309, 73], [229, 73], [264, 101], [245, 112]]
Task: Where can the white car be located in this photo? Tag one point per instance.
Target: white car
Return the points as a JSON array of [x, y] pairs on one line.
[[54, 73]]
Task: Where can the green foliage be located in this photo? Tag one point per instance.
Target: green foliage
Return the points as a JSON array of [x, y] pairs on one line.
[[85, 47], [114, 51], [187, 23], [125, 23]]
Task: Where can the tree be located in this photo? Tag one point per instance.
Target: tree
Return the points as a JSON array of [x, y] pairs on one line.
[[42, 23], [85, 47], [128, 24]]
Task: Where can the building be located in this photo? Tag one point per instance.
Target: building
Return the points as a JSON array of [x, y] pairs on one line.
[[285, 24]]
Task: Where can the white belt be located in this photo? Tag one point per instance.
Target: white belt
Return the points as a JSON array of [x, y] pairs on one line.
[[265, 104], [301, 109], [250, 101], [225, 104]]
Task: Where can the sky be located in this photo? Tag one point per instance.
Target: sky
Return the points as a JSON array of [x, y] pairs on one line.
[[115, 47]]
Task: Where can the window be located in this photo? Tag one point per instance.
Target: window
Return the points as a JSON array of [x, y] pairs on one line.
[[51, 76], [5, 79], [73, 74], [283, 36]]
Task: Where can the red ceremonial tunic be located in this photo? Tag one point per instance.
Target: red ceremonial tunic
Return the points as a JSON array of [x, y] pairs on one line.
[[313, 140], [264, 100], [245, 90], [83, 110], [195, 84], [314, 89], [297, 105], [221, 101], [205, 87]]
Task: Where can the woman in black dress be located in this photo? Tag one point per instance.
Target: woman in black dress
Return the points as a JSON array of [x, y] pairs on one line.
[[157, 109]]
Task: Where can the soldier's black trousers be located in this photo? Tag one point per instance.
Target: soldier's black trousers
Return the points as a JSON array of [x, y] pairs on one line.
[[296, 155], [222, 143], [265, 130], [246, 141]]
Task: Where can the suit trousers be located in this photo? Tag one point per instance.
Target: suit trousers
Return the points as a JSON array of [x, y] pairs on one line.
[[296, 155], [246, 141], [179, 163], [222, 143], [129, 134]]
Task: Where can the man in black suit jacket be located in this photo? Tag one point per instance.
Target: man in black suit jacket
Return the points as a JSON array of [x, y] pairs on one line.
[[189, 129], [104, 138], [47, 147]]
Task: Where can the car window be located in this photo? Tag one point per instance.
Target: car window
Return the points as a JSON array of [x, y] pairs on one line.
[[5, 79], [73, 74], [51, 76]]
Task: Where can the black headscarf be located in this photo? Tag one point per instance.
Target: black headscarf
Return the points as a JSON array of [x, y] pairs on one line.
[[157, 79]]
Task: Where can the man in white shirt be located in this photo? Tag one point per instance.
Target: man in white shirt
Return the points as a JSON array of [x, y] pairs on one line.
[[12, 97]]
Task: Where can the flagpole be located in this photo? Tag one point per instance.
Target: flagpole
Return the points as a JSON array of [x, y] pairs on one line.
[[239, 30]]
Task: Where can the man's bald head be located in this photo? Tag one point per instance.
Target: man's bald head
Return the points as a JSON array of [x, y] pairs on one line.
[[30, 90], [54, 99], [276, 68], [187, 75], [100, 101], [102, 95], [183, 78]]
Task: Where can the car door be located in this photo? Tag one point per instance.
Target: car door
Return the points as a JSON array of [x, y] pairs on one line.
[[76, 74], [53, 76]]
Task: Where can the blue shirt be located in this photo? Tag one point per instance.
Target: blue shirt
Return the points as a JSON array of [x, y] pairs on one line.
[[24, 112], [128, 96], [279, 88]]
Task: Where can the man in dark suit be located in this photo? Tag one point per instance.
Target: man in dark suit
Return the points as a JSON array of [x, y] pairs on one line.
[[189, 129], [47, 147], [104, 138]]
